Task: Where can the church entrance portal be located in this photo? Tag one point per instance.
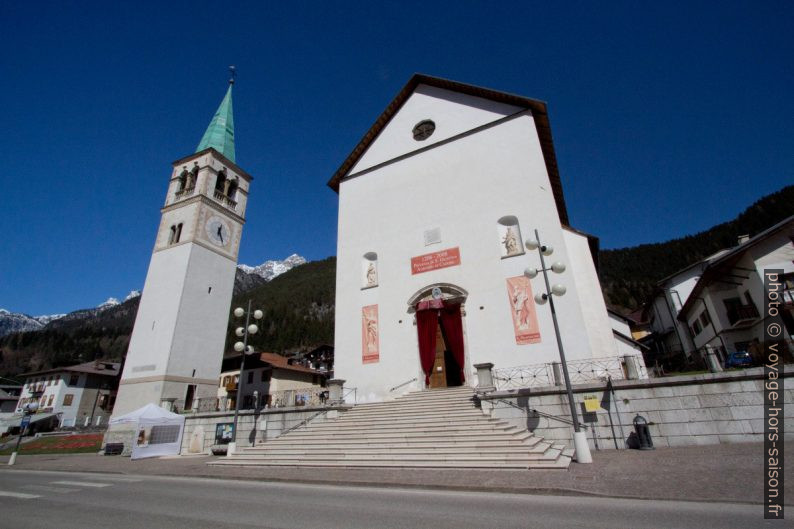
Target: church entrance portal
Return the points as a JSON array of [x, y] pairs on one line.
[[439, 326], [446, 371]]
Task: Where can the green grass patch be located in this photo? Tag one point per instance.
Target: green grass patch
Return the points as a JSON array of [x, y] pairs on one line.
[[67, 444]]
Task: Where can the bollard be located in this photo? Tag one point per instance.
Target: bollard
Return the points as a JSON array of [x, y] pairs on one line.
[[632, 373], [335, 391], [712, 361], [485, 378], [557, 373]]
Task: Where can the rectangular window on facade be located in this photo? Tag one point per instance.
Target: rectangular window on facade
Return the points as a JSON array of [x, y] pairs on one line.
[[67, 399], [704, 319], [696, 328], [250, 377], [49, 402], [74, 379]]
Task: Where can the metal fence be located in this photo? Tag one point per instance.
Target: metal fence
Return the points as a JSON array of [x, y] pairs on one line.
[[550, 374], [582, 371], [314, 396], [524, 376]]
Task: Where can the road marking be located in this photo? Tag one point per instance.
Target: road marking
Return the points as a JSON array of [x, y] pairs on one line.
[[120, 479], [82, 484], [20, 495], [46, 488]]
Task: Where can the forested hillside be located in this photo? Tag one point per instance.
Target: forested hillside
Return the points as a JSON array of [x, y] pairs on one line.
[[298, 309], [629, 275]]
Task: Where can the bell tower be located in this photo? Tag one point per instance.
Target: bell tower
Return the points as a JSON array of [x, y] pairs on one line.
[[176, 347]]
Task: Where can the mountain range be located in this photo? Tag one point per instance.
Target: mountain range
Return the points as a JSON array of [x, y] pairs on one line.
[[246, 278]]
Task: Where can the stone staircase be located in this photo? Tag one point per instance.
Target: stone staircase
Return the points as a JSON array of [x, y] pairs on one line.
[[439, 428]]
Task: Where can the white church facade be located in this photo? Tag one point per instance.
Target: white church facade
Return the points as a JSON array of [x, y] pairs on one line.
[[434, 205]]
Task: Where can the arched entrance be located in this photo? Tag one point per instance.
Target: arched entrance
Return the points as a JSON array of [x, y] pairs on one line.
[[439, 311]]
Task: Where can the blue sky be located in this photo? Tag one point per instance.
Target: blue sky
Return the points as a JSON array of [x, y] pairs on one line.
[[667, 118]]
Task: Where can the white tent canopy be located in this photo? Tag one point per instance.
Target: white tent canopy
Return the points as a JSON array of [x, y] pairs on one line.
[[159, 431]]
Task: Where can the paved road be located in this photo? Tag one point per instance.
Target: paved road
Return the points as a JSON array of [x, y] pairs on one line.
[[36, 500]]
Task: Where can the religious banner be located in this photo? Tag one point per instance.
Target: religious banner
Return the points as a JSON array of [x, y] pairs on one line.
[[522, 305], [434, 261], [370, 351]]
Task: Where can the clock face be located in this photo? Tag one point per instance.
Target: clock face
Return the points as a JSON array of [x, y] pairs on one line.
[[218, 231]]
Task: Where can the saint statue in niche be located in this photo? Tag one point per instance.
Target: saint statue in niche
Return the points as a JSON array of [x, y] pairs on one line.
[[372, 275], [510, 241]]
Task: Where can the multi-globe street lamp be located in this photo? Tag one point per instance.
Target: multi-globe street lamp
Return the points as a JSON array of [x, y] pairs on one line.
[[581, 447], [245, 349]]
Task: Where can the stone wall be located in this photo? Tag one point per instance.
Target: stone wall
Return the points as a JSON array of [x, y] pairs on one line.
[[254, 427], [711, 408]]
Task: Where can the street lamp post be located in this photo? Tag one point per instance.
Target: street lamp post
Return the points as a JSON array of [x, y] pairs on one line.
[[244, 349], [28, 410], [579, 438]]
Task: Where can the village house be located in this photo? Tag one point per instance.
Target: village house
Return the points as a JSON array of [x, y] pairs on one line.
[[80, 395]]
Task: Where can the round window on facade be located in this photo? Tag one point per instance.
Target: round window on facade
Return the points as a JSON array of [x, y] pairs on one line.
[[424, 129]]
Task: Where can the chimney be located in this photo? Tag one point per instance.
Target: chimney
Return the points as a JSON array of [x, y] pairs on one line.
[[744, 238]]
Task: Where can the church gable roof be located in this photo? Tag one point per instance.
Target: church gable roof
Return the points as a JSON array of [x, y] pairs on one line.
[[504, 103]]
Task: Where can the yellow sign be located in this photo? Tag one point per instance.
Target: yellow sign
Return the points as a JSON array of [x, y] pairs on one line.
[[591, 403]]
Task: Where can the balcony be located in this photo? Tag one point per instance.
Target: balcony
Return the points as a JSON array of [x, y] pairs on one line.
[[742, 313], [223, 199], [184, 193]]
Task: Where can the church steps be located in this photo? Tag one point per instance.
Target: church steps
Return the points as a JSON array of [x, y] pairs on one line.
[[551, 455], [406, 401], [561, 464], [430, 429], [406, 410], [527, 442], [406, 449], [441, 425], [439, 435], [420, 412], [462, 420]]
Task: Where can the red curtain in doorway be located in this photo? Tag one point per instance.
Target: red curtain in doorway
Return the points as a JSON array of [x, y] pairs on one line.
[[453, 332], [426, 325]]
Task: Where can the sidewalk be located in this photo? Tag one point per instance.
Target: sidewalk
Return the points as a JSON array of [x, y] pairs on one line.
[[728, 473]]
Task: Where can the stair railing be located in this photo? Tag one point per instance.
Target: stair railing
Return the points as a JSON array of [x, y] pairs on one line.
[[398, 386], [542, 414], [303, 422]]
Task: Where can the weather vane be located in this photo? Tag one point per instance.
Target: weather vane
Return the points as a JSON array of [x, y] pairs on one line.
[[233, 72]]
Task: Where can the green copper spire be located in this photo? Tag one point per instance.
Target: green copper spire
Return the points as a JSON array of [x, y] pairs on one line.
[[220, 133]]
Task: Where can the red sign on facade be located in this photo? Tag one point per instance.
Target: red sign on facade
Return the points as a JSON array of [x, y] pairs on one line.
[[434, 261]]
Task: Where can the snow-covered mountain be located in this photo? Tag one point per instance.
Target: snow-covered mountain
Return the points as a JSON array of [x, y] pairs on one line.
[[248, 277], [11, 322], [270, 269]]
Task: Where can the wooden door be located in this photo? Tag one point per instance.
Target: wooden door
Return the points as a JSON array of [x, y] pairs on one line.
[[438, 379]]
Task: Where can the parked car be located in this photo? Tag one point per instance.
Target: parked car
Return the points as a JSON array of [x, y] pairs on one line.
[[739, 359]]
